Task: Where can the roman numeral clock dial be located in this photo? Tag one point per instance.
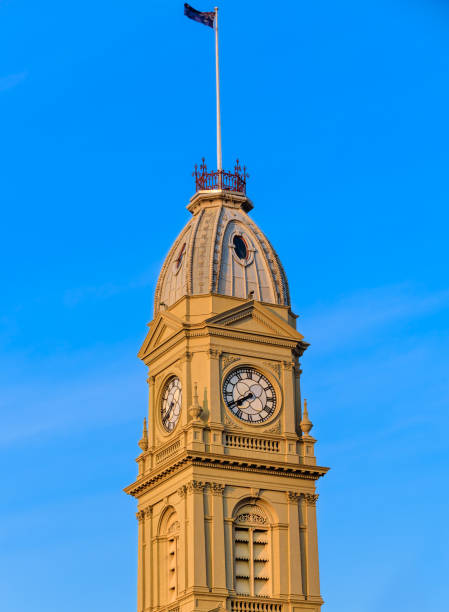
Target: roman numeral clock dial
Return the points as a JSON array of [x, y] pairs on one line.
[[171, 403], [249, 395]]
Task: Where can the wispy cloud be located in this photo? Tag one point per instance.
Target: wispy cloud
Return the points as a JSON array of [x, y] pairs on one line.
[[358, 315], [70, 391], [74, 296], [12, 80]]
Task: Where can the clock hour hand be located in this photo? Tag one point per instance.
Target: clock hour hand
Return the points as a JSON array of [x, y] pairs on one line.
[[240, 401]]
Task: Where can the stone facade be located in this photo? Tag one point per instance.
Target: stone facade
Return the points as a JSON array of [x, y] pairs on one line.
[[226, 508]]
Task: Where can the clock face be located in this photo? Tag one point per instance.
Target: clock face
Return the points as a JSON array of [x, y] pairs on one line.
[[171, 403], [249, 395]]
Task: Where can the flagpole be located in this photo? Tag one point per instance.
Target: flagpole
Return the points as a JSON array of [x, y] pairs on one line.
[[217, 83]]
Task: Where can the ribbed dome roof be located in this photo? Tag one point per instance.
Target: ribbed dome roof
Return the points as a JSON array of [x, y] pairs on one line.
[[221, 250]]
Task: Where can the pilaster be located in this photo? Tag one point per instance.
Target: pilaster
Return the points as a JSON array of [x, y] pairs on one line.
[[151, 404], [183, 544], [309, 545], [196, 544], [312, 545], [218, 538], [147, 557], [185, 363], [213, 356], [294, 549], [289, 429], [140, 515]]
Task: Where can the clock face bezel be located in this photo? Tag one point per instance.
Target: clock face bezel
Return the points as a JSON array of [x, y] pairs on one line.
[[271, 381], [163, 390]]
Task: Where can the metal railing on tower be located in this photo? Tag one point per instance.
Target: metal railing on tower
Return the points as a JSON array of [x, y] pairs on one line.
[[220, 179]]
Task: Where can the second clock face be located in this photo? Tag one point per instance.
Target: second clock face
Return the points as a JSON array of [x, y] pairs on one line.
[[171, 403], [249, 395]]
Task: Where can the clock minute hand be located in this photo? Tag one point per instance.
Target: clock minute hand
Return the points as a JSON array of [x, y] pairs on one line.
[[240, 401], [168, 414]]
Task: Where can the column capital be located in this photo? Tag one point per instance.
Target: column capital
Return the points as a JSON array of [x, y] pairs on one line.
[[216, 488], [293, 496], [227, 359], [182, 491], [185, 358], [311, 498], [140, 515], [288, 365], [194, 486], [213, 353]]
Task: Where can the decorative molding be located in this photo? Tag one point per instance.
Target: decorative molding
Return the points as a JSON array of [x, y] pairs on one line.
[[302, 471], [288, 365], [250, 517], [295, 345], [251, 442], [276, 428], [275, 366], [263, 322], [168, 451], [245, 604], [185, 358], [227, 359], [311, 498], [229, 423], [159, 377], [237, 317], [293, 496], [175, 526], [194, 486], [251, 514], [216, 488]]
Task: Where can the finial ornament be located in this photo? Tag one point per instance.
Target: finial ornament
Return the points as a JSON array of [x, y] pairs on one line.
[[306, 424], [195, 410], [143, 442]]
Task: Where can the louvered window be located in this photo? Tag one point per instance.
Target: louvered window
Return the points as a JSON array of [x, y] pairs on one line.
[[252, 553], [172, 566], [172, 558]]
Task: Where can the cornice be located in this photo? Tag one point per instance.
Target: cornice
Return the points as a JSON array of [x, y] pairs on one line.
[[214, 331], [225, 462]]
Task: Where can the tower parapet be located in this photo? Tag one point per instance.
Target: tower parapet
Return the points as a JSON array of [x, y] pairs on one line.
[[220, 179]]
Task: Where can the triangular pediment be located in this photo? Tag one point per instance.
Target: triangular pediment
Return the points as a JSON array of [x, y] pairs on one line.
[[256, 318], [162, 328]]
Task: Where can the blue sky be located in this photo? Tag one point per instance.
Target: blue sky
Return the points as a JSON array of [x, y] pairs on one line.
[[339, 110]]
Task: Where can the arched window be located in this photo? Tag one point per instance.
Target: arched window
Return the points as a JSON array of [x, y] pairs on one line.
[[169, 550], [252, 552]]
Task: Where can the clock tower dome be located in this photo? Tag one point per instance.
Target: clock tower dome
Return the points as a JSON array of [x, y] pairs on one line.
[[226, 477]]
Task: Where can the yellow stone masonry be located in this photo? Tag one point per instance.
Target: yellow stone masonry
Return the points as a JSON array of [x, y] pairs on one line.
[[226, 477]]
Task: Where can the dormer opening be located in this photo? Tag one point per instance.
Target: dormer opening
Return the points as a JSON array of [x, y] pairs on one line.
[[240, 247]]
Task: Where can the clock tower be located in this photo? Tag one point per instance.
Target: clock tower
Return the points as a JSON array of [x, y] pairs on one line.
[[226, 477]]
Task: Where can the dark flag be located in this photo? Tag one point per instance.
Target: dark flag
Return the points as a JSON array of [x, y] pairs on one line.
[[206, 18]]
